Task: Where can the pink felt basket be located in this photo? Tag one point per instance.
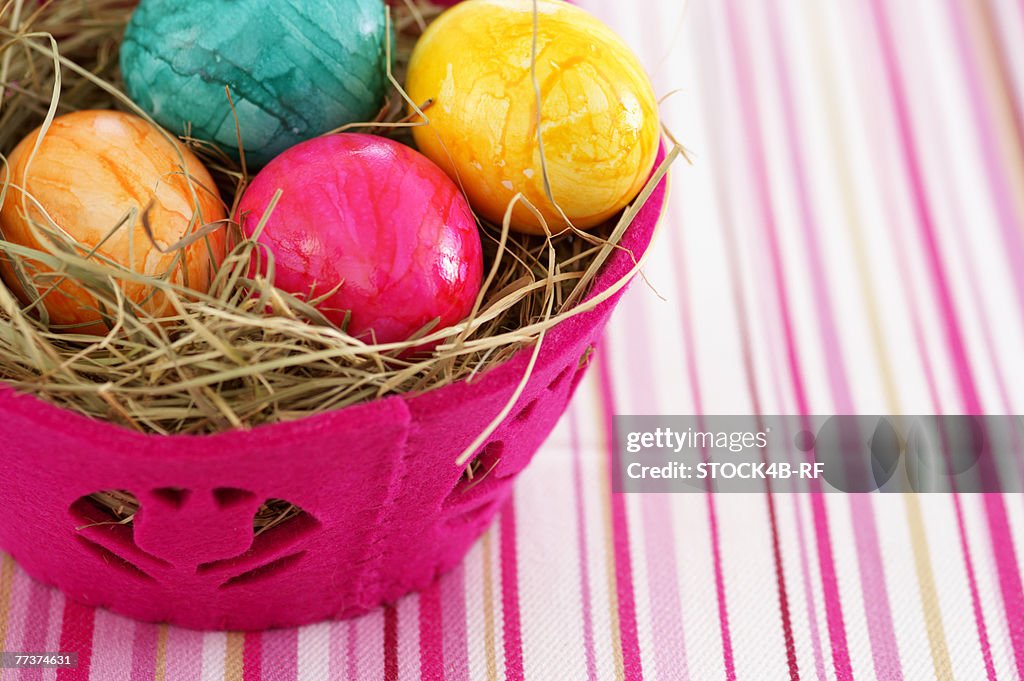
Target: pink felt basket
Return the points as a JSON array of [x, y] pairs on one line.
[[386, 508]]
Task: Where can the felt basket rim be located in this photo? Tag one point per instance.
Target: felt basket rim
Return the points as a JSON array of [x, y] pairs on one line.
[[635, 241]]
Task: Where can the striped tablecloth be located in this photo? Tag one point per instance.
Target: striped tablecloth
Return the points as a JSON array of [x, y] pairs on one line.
[[849, 239]]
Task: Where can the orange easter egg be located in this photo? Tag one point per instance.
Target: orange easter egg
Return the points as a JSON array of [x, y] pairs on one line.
[[93, 170]]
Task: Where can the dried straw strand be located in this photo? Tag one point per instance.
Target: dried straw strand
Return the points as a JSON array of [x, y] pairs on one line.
[[220, 361]]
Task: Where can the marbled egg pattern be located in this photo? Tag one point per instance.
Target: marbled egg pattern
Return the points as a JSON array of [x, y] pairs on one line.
[[373, 225], [599, 116], [91, 171], [295, 68]]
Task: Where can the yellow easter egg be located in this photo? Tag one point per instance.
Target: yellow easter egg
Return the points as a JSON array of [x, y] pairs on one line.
[[598, 124], [95, 171]]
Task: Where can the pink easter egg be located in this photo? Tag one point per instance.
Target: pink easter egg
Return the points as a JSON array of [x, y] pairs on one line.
[[375, 222]]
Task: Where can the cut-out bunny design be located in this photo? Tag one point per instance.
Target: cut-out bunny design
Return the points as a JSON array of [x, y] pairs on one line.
[[201, 536]]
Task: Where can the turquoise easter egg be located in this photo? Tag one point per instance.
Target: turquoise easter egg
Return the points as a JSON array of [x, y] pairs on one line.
[[295, 68]]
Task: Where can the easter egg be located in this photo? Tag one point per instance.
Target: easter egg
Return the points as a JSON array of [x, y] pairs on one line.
[[374, 228], [94, 174], [295, 68], [599, 117]]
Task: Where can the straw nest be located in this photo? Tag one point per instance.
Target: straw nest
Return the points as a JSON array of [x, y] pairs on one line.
[[244, 354]]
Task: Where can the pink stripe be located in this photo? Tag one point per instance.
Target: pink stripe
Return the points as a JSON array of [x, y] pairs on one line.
[[1009, 223], [390, 643], [184, 660], [720, 592], [144, 651], [631, 661], [723, 610], [972, 582], [641, 379], [54, 629], [669, 641], [1012, 237], [1002, 539], [753, 392], [352, 666], [922, 211], [252, 656], [787, 626], [965, 549], [1011, 234], [808, 220], [693, 374], [17, 619], [808, 589], [431, 633], [1009, 573], [830, 585], [37, 616], [752, 389], [830, 588], [76, 637], [979, 616], [668, 649], [510, 594], [456, 646], [885, 653], [336, 650], [581, 548], [933, 392], [803, 542], [280, 653]]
